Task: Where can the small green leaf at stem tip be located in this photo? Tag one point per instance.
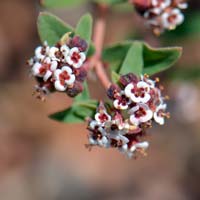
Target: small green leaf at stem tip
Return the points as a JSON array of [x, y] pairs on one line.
[[133, 61], [61, 3], [84, 28], [115, 77], [51, 28]]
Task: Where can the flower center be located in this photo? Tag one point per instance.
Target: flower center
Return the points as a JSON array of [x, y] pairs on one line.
[[139, 92], [64, 76], [140, 112], [43, 69], [103, 117], [75, 57]]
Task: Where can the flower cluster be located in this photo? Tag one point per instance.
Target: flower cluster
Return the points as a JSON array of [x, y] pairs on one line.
[[161, 14], [136, 102], [60, 67]]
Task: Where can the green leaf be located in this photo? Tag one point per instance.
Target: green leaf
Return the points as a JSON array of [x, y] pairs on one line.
[[133, 61], [91, 50], [139, 58], [61, 3], [51, 28], [77, 113], [67, 116], [84, 28], [114, 55], [159, 59], [115, 77], [110, 2]]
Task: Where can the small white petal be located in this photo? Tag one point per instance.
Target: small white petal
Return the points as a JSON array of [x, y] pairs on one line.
[[143, 145], [47, 75], [71, 80], [36, 69], [59, 87], [65, 49], [83, 57], [67, 69], [69, 60], [128, 89], [54, 65], [147, 117], [73, 50], [57, 74], [78, 65], [52, 51], [133, 148]]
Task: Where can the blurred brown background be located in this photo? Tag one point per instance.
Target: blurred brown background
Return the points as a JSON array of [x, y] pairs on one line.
[[44, 160]]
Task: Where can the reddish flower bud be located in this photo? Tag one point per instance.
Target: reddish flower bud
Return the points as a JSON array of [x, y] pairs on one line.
[[128, 78], [81, 74], [141, 5], [112, 91], [76, 41], [75, 90]]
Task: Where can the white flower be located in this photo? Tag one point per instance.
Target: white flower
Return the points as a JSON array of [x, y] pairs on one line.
[[102, 117], [171, 19], [39, 54], [158, 114], [52, 53], [121, 102], [63, 78], [65, 51], [45, 69], [162, 4], [75, 57], [182, 5], [138, 93], [140, 114]]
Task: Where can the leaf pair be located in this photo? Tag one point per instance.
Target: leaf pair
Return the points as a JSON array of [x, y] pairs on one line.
[[51, 29]]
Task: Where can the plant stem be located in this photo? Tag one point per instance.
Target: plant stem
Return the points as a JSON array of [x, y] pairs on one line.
[[98, 39]]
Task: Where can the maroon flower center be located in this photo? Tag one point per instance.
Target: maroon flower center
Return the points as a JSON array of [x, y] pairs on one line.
[[139, 92], [172, 18], [75, 57], [44, 68], [64, 76], [140, 112], [103, 117], [123, 100]]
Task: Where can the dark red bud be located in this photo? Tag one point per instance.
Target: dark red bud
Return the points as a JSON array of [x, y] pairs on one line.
[[141, 5], [76, 41], [80, 74], [128, 78], [112, 91], [75, 90]]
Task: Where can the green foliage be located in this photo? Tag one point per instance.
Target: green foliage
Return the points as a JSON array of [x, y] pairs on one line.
[[61, 3], [82, 108], [133, 59], [115, 77], [139, 58], [84, 28], [51, 28], [110, 2]]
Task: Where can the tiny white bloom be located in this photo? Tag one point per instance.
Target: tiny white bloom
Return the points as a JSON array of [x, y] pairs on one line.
[[138, 93], [140, 114], [158, 114], [75, 57], [63, 78]]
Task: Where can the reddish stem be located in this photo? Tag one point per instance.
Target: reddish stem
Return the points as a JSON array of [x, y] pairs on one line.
[[98, 39]]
